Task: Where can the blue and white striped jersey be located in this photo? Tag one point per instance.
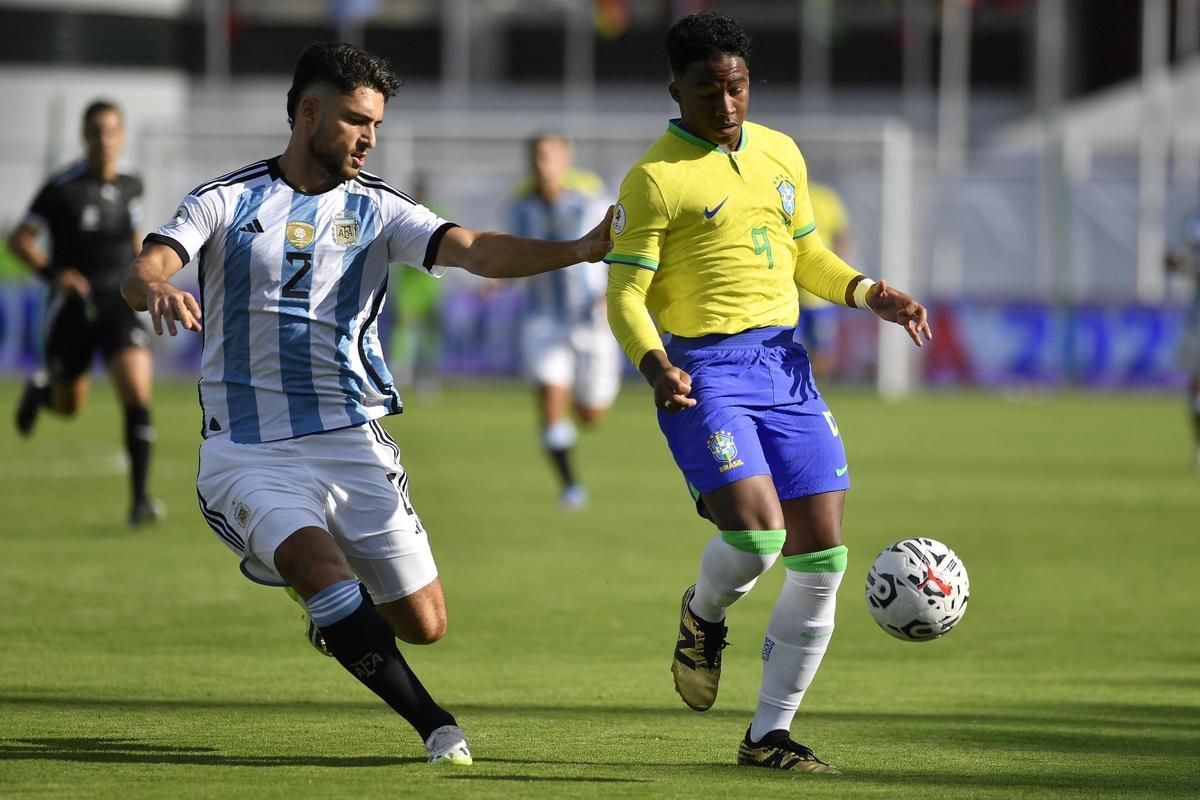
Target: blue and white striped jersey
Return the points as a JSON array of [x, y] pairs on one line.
[[291, 285], [568, 295]]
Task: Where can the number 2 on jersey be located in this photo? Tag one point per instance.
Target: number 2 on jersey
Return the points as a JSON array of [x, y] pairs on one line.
[[762, 244], [289, 288]]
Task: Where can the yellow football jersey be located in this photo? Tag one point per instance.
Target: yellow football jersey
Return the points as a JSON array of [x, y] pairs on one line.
[[832, 222], [718, 229]]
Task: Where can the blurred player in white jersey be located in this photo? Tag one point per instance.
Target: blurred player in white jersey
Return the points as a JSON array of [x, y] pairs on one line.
[[566, 346], [296, 475], [1186, 259]]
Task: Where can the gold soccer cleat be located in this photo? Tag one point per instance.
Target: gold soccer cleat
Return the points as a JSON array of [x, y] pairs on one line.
[[697, 663], [778, 751]]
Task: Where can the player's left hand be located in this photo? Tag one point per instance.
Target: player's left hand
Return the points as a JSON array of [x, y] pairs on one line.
[[596, 244], [893, 305]]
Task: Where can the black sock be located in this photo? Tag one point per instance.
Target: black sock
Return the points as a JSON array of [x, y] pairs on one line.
[[364, 644], [139, 433], [562, 464], [38, 386]]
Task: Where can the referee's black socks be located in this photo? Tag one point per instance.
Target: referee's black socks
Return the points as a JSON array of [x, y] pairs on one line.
[[139, 434]]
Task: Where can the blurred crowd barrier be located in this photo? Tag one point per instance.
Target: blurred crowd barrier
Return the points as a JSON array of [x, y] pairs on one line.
[[980, 343]]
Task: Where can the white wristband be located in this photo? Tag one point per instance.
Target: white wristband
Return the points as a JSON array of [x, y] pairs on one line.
[[860, 292]]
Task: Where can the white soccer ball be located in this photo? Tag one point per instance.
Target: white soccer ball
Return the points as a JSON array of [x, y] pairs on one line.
[[917, 589]]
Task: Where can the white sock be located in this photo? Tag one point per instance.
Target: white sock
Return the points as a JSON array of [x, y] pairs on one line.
[[797, 636], [559, 435], [730, 566]]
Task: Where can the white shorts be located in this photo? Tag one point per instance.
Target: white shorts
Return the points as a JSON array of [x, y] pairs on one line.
[[348, 482], [583, 357]]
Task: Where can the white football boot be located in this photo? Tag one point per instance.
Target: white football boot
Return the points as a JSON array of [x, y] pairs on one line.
[[448, 745]]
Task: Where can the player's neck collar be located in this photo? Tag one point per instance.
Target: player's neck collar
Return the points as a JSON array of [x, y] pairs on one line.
[[676, 127], [277, 174]]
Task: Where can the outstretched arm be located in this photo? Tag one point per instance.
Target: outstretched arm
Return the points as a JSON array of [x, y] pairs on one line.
[[823, 273], [147, 287], [499, 255]]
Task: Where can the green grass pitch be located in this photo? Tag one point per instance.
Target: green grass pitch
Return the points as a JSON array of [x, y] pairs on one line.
[[141, 664]]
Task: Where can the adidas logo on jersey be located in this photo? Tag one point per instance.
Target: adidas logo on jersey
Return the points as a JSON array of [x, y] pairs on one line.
[[254, 226]]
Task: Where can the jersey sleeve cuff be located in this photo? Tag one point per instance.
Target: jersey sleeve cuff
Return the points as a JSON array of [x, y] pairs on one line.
[[435, 241], [633, 261], [180, 250], [800, 233]]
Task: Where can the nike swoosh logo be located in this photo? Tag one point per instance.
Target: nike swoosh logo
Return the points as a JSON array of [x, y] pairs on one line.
[[710, 214], [842, 471]]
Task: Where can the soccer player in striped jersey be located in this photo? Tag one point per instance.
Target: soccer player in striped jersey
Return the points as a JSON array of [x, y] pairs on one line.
[[566, 346], [713, 233], [296, 475]]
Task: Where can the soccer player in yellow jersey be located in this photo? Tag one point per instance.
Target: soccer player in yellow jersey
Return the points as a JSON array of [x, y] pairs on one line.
[[712, 234]]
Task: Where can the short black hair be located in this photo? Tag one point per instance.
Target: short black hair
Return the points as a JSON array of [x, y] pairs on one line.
[[699, 37], [98, 107], [343, 66]]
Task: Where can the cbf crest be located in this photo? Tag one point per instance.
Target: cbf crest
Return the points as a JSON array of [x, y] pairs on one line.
[[722, 447], [345, 230], [787, 196]]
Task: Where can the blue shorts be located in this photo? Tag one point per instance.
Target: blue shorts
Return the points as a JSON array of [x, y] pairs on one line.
[[758, 412]]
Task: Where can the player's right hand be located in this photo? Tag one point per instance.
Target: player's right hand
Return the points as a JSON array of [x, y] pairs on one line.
[[72, 280], [672, 389], [170, 305]]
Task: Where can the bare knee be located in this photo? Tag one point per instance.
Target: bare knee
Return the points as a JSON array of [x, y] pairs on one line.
[[309, 561], [589, 416], [422, 631], [65, 404], [416, 620]]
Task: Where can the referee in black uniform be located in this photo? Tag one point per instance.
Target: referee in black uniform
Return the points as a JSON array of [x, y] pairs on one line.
[[89, 213]]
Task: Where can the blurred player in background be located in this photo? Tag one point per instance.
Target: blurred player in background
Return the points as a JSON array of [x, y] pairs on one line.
[[417, 339], [818, 319], [90, 213], [567, 348], [712, 233], [296, 475], [1186, 259]]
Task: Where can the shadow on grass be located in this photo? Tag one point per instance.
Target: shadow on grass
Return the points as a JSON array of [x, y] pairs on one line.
[[542, 778], [106, 750], [1081, 728]]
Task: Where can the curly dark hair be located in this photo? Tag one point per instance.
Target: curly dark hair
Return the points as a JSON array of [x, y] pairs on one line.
[[699, 37], [343, 66]]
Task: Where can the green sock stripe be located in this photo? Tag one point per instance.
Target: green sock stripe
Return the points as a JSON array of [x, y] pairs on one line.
[[831, 560], [757, 542]]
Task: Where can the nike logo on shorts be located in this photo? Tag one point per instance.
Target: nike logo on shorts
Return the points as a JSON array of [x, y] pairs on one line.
[[841, 470]]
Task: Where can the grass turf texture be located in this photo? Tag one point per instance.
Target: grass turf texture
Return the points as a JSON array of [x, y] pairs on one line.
[[141, 664]]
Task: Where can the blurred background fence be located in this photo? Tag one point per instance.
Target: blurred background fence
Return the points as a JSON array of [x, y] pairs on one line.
[[1022, 165]]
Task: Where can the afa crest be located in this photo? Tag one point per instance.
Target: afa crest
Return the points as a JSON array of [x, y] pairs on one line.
[[345, 230], [722, 446], [241, 513], [787, 196]]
